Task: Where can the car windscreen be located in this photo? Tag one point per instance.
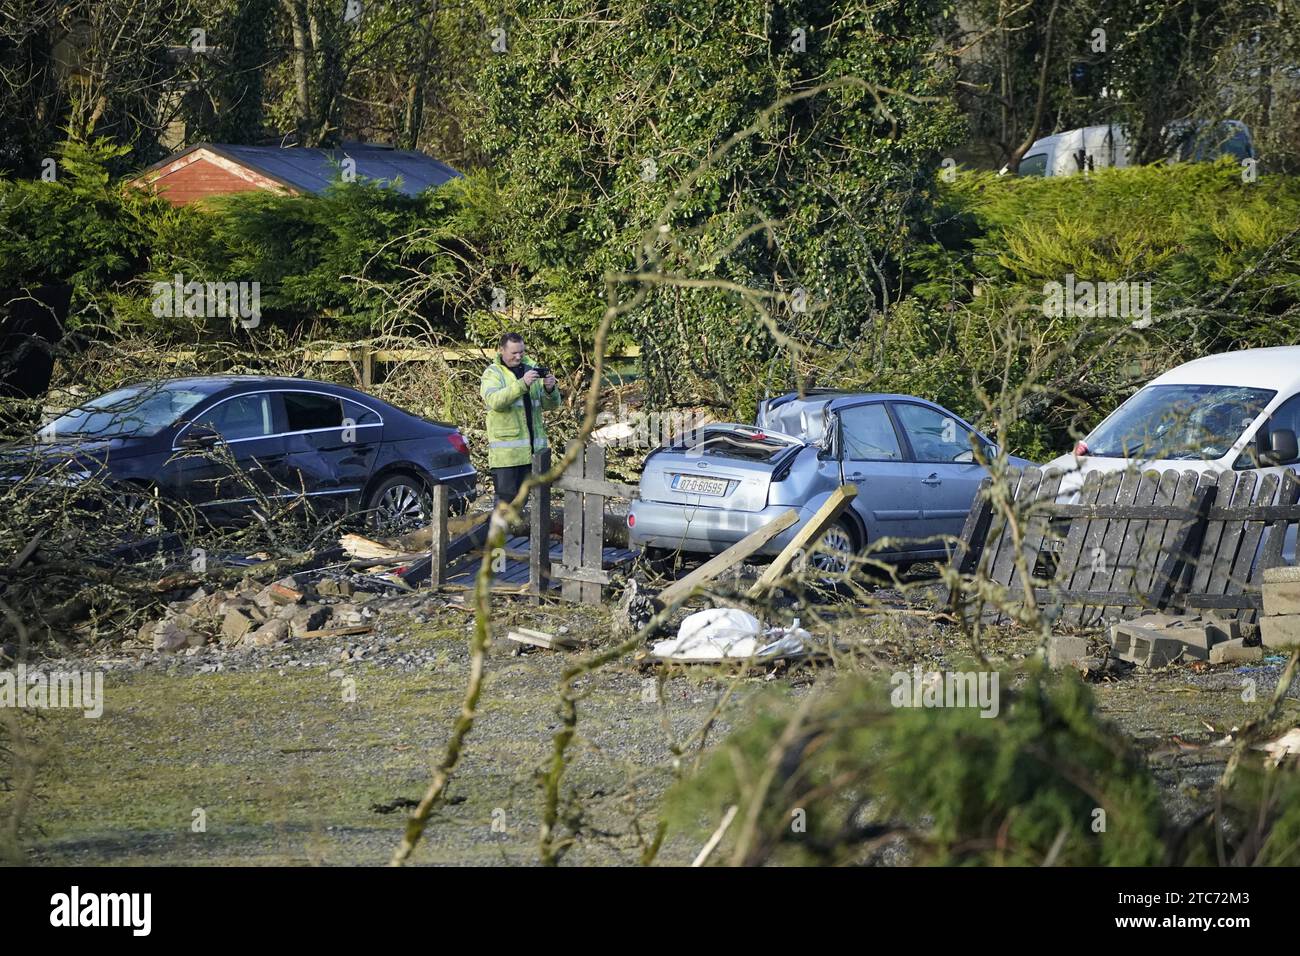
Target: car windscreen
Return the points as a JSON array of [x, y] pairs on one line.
[[138, 411], [1179, 422]]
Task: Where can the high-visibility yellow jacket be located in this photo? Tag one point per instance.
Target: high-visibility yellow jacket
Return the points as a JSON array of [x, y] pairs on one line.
[[507, 428]]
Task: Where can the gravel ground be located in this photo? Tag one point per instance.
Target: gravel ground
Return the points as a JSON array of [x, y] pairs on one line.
[[265, 750]]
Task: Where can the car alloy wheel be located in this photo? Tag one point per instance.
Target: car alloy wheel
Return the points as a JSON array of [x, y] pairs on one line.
[[400, 506], [139, 510], [833, 553]]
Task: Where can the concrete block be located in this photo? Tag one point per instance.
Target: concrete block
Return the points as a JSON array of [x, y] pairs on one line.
[[1280, 632], [272, 632], [168, 636], [236, 623], [1283, 574], [1235, 651], [1281, 596], [1223, 628], [1063, 651], [309, 618], [1150, 647]]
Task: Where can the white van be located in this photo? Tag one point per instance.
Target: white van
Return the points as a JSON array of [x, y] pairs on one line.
[[1077, 151], [1090, 148], [1229, 412]]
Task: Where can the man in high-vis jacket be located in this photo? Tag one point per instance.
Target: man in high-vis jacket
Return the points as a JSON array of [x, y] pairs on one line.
[[516, 392]]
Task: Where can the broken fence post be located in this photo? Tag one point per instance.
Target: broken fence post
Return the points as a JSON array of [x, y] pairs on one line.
[[438, 537], [539, 532]]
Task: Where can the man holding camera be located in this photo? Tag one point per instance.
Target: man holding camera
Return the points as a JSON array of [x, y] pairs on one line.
[[516, 393]]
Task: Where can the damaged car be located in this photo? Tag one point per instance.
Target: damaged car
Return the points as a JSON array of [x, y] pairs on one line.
[[226, 444], [913, 463]]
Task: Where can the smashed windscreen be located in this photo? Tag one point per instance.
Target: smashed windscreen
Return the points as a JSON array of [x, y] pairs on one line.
[[135, 411], [737, 442], [1179, 422]]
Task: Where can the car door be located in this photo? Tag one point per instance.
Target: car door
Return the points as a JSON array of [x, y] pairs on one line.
[[331, 443], [873, 458], [948, 476], [242, 466]]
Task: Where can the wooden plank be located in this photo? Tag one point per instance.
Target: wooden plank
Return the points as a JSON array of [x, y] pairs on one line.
[[1179, 552], [1152, 512], [1105, 570], [971, 543], [539, 536], [1250, 538], [1002, 565], [1275, 535], [1090, 547], [1136, 562], [339, 631], [683, 588], [806, 536], [1243, 496], [1068, 560], [571, 552], [1040, 515], [1092, 598], [593, 524], [551, 642], [1214, 524], [1002, 560], [586, 575], [598, 486], [438, 527]]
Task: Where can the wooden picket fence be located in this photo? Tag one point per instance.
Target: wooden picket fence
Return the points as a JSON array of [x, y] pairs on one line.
[[531, 566], [1133, 542]]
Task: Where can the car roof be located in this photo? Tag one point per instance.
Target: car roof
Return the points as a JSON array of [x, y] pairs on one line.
[[210, 384], [1276, 368]]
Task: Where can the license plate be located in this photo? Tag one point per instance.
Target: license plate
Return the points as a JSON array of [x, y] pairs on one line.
[[695, 485]]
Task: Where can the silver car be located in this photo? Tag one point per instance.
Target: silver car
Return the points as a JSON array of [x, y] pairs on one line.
[[911, 460]]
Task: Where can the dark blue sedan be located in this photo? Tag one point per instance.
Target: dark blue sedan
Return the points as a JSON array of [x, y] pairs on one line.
[[226, 443]]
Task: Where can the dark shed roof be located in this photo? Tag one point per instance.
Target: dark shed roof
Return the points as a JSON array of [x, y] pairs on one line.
[[312, 170]]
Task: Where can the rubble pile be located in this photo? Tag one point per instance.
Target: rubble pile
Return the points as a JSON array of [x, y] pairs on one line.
[[249, 617]]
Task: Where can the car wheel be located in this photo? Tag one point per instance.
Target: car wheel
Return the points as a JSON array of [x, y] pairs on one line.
[[140, 510], [398, 505], [834, 551]]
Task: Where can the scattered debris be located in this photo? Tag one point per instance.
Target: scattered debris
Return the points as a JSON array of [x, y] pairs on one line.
[[1282, 747], [398, 803], [339, 631], [721, 633], [550, 642], [1157, 640]]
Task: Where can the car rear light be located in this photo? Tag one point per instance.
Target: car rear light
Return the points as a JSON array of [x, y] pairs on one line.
[[1080, 449], [631, 521], [458, 443]]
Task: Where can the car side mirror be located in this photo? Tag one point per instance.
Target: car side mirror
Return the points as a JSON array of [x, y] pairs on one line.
[[200, 436], [1282, 448]]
